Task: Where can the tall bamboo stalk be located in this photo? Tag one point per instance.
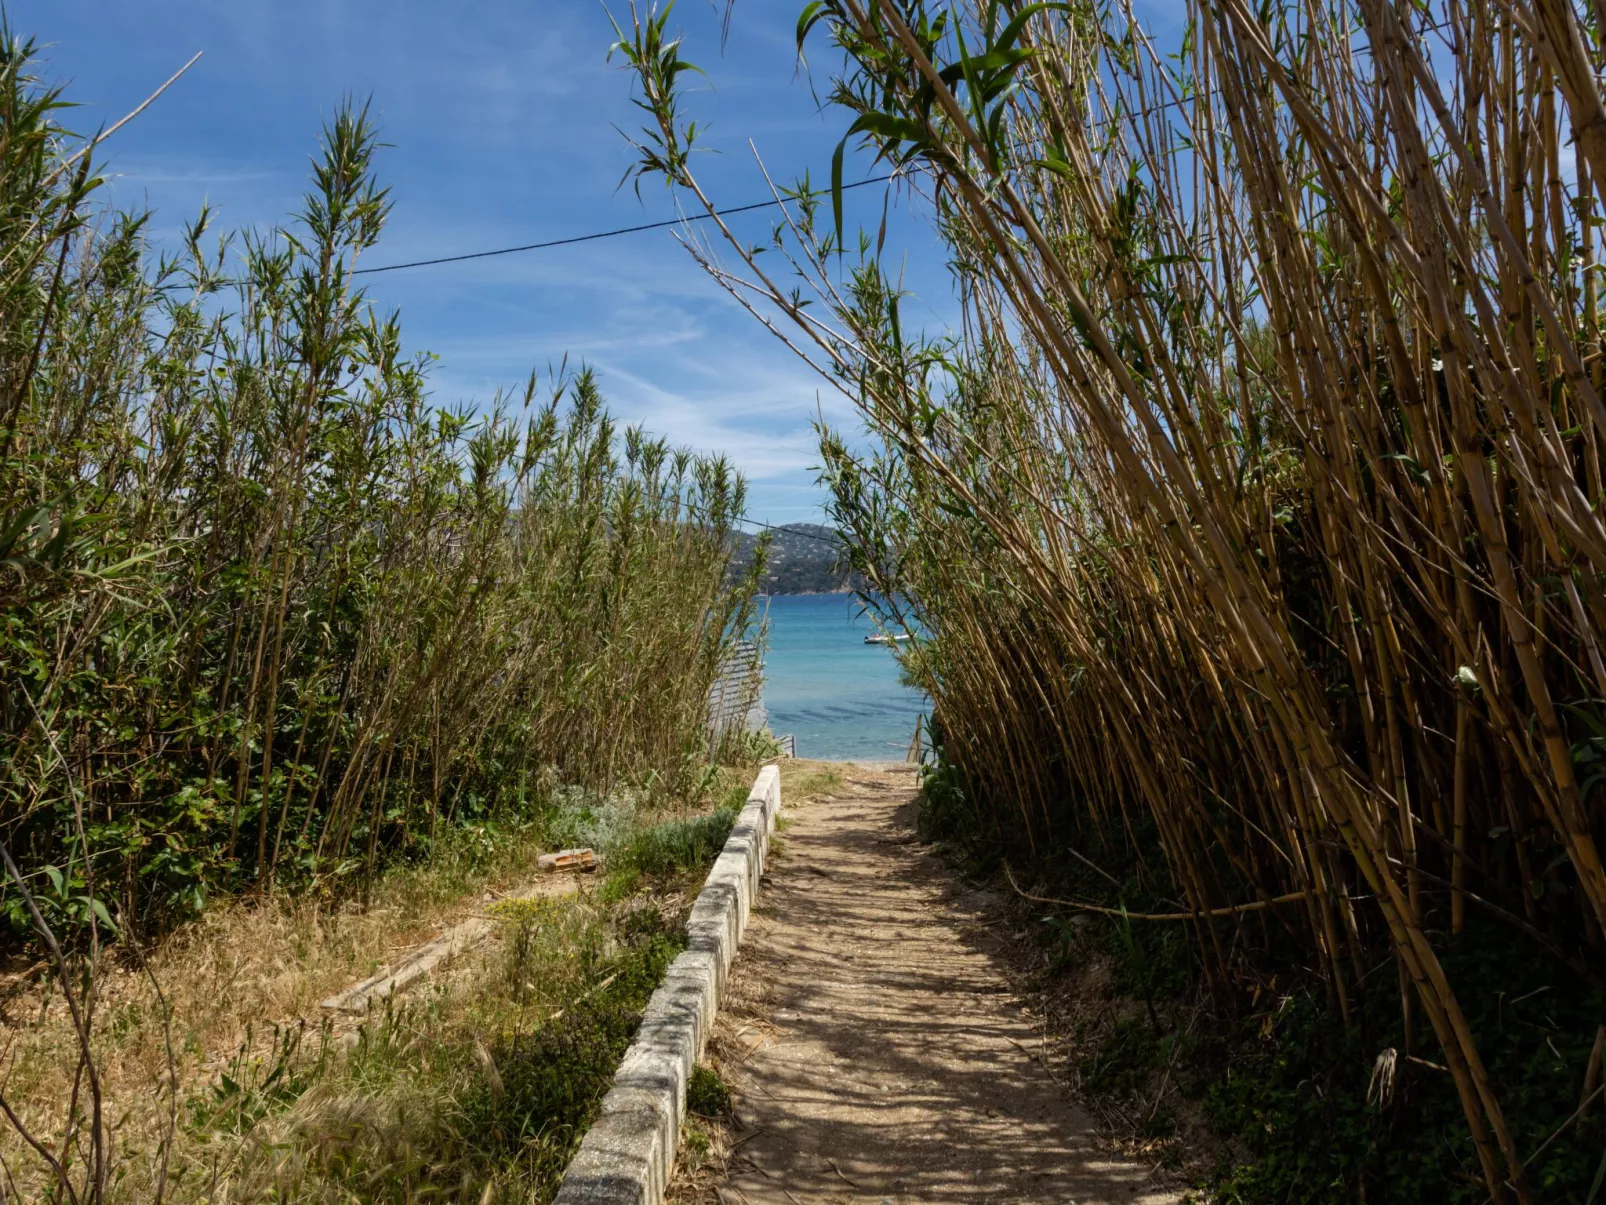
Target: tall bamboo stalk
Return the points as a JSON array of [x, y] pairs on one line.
[[1257, 501]]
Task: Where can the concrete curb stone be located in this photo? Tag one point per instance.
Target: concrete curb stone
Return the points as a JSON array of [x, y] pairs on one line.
[[628, 1155]]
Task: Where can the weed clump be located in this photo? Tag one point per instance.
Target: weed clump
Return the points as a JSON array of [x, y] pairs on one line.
[[487, 1088], [678, 846], [606, 823], [707, 1094]]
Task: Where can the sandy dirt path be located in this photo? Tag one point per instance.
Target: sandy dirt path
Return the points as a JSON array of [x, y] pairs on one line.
[[877, 1051]]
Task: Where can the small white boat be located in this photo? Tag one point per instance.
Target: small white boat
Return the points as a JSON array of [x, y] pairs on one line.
[[883, 638]]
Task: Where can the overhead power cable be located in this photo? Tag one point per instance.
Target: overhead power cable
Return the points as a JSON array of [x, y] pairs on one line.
[[791, 530], [601, 234], [1147, 111]]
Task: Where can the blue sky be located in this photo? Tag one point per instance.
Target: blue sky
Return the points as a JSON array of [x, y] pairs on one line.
[[500, 116]]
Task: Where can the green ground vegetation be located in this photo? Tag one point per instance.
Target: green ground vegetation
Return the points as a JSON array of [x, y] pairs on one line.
[[479, 1088]]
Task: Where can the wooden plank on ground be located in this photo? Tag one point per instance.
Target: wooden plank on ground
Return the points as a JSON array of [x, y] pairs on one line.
[[379, 987]]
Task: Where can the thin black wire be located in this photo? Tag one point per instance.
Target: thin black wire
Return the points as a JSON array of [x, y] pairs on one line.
[[791, 530], [586, 238], [1146, 111]]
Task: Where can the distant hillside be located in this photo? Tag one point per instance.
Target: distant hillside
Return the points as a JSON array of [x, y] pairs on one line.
[[803, 559]]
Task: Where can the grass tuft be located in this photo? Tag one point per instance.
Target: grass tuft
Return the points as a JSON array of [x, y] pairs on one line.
[[707, 1094]]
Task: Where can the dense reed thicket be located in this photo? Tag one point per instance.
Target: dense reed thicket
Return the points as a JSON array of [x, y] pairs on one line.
[[269, 613], [1256, 510]]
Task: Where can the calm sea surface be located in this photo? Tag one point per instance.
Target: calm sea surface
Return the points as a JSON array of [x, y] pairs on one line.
[[840, 697]]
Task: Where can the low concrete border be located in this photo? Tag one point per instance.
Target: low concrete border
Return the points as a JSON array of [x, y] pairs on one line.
[[628, 1155]]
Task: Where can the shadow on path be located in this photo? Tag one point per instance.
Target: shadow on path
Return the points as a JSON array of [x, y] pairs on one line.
[[901, 1068]]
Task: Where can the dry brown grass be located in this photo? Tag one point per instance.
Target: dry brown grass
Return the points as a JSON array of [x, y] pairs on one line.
[[246, 978], [803, 780], [227, 980]]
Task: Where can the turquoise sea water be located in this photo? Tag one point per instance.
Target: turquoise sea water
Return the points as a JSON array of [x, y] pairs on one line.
[[838, 696]]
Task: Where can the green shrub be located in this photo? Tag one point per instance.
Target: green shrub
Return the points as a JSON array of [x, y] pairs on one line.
[[678, 846], [290, 616]]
